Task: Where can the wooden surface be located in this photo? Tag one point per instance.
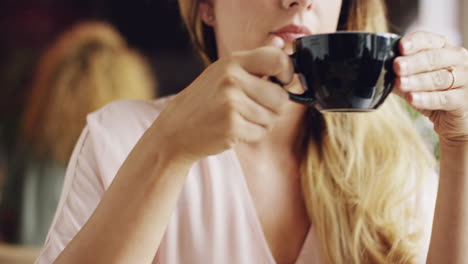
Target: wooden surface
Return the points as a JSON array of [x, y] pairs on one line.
[[13, 254]]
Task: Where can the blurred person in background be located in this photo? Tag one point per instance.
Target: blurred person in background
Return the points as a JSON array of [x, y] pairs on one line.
[[86, 67]]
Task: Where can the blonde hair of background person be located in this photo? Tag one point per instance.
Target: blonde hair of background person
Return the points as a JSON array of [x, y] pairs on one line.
[[87, 67], [354, 178]]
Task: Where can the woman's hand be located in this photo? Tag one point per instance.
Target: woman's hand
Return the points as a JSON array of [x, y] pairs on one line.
[[228, 103], [433, 77]]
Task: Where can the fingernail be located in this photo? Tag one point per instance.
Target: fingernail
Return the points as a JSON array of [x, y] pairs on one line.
[[415, 98], [407, 46], [404, 83], [403, 67]]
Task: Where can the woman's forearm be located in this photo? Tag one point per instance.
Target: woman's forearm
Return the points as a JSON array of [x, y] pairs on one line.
[[449, 241], [129, 222]]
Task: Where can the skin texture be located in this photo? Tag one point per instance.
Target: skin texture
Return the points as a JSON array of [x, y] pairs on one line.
[[423, 81], [232, 105]]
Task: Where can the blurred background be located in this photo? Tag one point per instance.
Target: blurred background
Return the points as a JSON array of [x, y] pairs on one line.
[[56, 66]]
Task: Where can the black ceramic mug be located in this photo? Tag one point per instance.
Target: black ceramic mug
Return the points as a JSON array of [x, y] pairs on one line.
[[345, 71]]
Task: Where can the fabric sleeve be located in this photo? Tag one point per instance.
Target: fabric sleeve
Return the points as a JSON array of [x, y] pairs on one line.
[[81, 193]]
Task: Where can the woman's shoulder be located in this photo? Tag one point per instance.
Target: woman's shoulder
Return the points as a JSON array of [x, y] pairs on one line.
[[127, 114], [112, 131], [131, 108], [117, 127]]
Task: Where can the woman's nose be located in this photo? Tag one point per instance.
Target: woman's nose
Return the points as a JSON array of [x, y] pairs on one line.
[[289, 4]]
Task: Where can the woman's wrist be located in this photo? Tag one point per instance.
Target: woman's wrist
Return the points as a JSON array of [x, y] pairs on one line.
[[168, 151], [454, 158], [458, 143]]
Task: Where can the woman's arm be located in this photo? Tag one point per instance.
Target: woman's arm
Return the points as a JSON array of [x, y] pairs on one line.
[[433, 78], [449, 241], [129, 222], [227, 104]]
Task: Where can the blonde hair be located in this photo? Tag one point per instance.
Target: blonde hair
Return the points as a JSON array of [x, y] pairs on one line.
[[359, 170], [87, 67]]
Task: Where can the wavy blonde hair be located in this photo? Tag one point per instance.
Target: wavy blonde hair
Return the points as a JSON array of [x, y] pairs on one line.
[[359, 170], [86, 67]]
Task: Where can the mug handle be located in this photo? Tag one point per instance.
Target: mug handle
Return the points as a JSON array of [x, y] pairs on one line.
[[306, 98]]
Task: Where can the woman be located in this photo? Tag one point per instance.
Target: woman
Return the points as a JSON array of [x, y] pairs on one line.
[[86, 67], [230, 171]]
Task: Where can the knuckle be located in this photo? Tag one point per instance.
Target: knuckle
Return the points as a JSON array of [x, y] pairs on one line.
[[230, 137], [427, 38], [229, 80], [415, 36], [270, 124], [436, 40], [230, 99], [228, 144], [433, 101], [432, 60], [268, 120], [230, 76], [230, 125], [439, 100], [443, 99], [463, 51], [438, 79]]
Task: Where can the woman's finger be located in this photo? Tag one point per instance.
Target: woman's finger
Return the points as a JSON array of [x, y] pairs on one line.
[[450, 100], [267, 61], [420, 41], [263, 92], [255, 113], [433, 81], [246, 131], [430, 60]]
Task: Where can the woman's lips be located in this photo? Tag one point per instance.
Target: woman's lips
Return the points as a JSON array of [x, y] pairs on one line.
[[289, 36], [291, 32]]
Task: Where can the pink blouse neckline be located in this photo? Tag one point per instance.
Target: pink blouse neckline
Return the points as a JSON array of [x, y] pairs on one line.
[[252, 212]]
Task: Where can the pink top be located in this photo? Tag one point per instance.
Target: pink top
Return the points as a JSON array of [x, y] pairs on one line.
[[215, 220]]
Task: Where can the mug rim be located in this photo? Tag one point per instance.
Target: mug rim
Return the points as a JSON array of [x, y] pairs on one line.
[[345, 32]]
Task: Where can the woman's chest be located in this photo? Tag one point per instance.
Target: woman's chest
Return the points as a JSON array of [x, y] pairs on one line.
[[216, 221], [277, 201]]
